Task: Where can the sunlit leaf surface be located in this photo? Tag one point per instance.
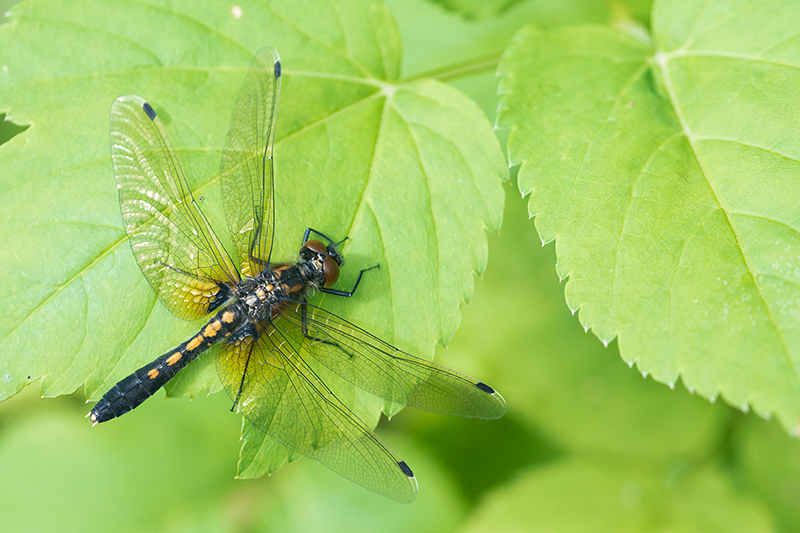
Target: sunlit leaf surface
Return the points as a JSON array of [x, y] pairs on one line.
[[410, 172], [667, 174]]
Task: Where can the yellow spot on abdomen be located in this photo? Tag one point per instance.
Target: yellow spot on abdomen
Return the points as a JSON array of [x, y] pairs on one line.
[[153, 374], [228, 317], [174, 358], [194, 343], [212, 329]]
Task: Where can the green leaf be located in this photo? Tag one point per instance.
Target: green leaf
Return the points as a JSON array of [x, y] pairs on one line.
[[8, 129], [411, 172], [667, 174], [588, 496], [560, 381]]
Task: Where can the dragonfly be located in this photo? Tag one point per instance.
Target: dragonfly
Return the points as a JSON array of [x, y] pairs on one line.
[[270, 336]]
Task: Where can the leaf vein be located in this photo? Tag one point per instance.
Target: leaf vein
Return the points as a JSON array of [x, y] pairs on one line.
[[751, 270]]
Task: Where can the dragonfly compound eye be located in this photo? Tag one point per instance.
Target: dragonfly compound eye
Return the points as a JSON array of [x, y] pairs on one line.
[[331, 269], [316, 246]]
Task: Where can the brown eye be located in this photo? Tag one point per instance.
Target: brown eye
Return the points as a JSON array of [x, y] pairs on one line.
[[331, 271], [316, 246]]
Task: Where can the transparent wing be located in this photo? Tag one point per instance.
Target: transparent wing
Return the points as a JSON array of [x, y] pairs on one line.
[[171, 239], [246, 172], [278, 392], [381, 369]]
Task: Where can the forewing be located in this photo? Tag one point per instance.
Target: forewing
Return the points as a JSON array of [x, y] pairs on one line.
[[278, 392], [172, 241], [246, 172], [381, 369]]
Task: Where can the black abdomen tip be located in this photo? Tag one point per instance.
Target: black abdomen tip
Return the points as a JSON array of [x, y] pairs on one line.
[[484, 387], [277, 69], [406, 470], [151, 113]]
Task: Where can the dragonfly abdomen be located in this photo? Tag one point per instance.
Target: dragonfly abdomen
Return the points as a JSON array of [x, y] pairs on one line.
[[131, 391]]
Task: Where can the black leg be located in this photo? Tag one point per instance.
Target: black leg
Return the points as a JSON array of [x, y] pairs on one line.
[[348, 294], [241, 383], [304, 328], [335, 292], [262, 265], [308, 232], [237, 337]]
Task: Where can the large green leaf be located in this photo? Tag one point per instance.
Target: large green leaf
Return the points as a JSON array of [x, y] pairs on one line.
[[411, 172], [667, 174], [588, 496]]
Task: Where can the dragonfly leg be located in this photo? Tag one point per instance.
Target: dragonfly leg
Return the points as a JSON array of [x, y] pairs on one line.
[[304, 328], [348, 294], [335, 292], [262, 265], [309, 231]]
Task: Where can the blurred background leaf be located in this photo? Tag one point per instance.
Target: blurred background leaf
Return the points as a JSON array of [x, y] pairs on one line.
[[597, 496], [548, 12]]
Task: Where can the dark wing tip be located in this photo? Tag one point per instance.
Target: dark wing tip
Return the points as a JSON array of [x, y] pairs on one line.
[[151, 113], [277, 68], [485, 388], [497, 404], [406, 470]]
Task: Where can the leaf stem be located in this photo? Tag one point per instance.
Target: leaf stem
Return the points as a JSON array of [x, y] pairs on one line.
[[471, 67]]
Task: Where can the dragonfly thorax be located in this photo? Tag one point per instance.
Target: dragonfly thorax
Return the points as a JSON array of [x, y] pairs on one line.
[[265, 295]]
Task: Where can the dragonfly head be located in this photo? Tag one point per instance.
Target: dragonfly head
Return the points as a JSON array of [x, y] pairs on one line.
[[328, 255]]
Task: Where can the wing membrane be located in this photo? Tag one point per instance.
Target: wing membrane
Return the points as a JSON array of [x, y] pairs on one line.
[[381, 369], [172, 241], [246, 171], [278, 392]]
